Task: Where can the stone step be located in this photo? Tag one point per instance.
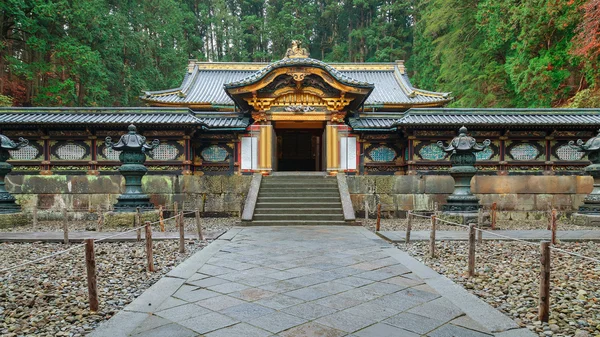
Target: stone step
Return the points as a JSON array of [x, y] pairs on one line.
[[298, 199], [260, 211], [298, 185], [302, 205], [299, 217], [297, 223], [290, 193]]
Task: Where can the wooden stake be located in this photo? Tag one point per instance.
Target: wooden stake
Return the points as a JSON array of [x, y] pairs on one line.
[[149, 256], [408, 226], [432, 237], [100, 220], [366, 210], [175, 212], [493, 216], [471, 266], [480, 225], [90, 264], [378, 226], [553, 226], [65, 226], [181, 233], [544, 302], [35, 216], [199, 225], [137, 221], [161, 218]]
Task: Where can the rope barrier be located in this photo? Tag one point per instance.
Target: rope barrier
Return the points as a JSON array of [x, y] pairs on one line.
[[82, 245], [42, 258], [522, 241]]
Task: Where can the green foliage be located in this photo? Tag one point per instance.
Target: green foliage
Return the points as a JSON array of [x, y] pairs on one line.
[[524, 53], [5, 101]]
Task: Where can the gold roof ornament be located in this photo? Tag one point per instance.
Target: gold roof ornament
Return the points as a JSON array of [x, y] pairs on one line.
[[296, 51]]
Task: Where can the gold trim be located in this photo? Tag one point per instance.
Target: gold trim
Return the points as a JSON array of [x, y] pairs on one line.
[[299, 118], [258, 66]]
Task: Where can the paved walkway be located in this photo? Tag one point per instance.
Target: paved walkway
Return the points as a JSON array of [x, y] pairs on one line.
[[528, 235], [82, 235], [306, 281]]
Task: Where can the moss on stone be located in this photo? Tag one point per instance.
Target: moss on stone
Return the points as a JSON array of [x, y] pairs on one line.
[[116, 219], [13, 220]]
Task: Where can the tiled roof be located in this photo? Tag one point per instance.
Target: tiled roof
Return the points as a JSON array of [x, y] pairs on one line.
[[96, 116], [204, 83], [472, 117], [300, 62], [514, 117], [121, 116]]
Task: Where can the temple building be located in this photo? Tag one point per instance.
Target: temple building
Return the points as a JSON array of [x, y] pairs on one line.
[[297, 114]]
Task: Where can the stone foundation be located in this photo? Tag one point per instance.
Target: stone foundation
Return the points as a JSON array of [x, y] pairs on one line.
[[517, 197], [212, 195], [586, 220]]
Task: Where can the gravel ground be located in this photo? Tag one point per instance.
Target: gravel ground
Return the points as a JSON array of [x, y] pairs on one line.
[[508, 279], [50, 298], [425, 224], [216, 224]]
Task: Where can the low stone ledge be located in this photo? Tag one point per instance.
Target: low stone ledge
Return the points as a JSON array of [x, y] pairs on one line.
[[114, 219]]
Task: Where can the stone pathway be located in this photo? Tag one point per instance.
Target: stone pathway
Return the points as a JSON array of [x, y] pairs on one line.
[[306, 281], [528, 235], [82, 235]]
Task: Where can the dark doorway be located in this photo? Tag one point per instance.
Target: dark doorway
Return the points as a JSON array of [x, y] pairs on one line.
[[298, 150]]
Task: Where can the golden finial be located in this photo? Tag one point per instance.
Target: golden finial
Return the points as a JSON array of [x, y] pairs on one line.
[[296, 51]]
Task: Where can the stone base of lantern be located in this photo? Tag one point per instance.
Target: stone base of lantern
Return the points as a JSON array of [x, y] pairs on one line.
[[461, 218], [581, 219]]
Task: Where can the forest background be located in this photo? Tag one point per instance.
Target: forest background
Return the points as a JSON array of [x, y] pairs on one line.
[[488, 53]]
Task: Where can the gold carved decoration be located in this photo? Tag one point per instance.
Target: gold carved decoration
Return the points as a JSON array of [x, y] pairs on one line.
[[260, 103], [338, 116], [336, 104], [298, 77], [296, 50], [259, 116]]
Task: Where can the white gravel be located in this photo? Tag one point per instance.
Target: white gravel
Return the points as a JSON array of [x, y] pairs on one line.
[[508, 279]]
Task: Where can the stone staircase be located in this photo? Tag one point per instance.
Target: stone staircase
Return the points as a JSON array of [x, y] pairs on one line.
[[298, 200]]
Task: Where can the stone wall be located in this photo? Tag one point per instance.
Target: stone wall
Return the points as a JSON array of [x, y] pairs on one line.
[[213, 195], [511, 193]]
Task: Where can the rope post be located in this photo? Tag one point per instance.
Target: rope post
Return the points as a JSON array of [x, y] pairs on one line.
[[553, 226], [65, 226], [471, 267], [175, 212], [100, 220], [199, 225], [378, 226], [138, 218], [544, 302], [90, 265], [432, 237], [138, 223], [181, 233], [408, 226], [149, 256], [34, 220], [480, 226], [161, 218], [493, 215]]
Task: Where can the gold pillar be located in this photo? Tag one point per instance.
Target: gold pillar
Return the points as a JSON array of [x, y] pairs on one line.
[[265, 152], [333, 149]]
